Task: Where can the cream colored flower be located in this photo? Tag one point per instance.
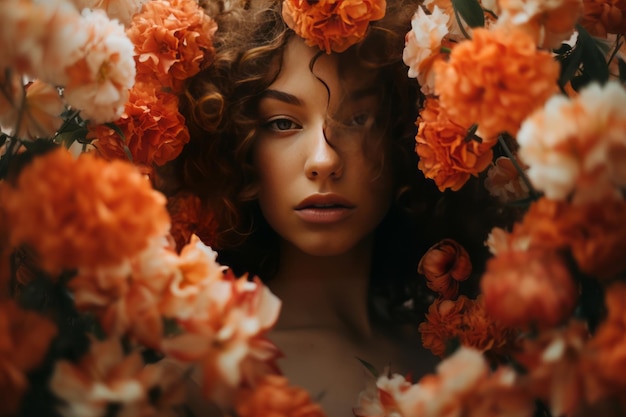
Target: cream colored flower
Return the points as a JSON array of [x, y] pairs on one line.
[[100, 80], [122, 10], [423, 43], [577, 146]]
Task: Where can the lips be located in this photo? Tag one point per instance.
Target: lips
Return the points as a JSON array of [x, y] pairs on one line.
[[324, 209], [324, 201]]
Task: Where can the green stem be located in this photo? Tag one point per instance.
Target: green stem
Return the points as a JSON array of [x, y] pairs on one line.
[[533, 193]]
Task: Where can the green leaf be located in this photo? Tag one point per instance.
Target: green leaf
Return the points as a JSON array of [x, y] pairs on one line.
[[621, 65], [470, 11], [594, 66], [370, 368], [570, 62]]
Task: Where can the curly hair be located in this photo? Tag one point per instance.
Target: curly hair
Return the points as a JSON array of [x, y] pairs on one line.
[[220, 105]]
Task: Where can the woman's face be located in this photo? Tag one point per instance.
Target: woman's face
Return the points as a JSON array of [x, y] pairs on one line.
[[317, 187]]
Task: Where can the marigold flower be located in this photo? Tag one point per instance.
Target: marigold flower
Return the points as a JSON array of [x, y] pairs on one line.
[[25, 337], [496, 79], [601, 17], [332, 25], [59, 205], [153, 128], [577, 146], [446, 155], [380, 399], [444, 265], [530, 288], [505, 182], [122, 10], [454, 27], [173, 41], [548, 22]]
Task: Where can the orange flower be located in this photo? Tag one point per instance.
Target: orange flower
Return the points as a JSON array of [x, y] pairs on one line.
[[332, 25], [496, 80], [530, 288], [444, 265], [154, 130], [25, 337], [83, 212], [273, 396], [601, 17], [446, 156], [173, 41], [505, 182], [466, 321], [189, 218]]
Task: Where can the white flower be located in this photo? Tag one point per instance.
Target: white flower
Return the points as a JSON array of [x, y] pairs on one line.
[[122, 10]]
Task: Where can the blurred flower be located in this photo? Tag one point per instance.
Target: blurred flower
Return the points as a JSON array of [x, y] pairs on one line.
[[330, 25], [505, 182], [11, 99], [189, 218], [548, 22], [423, 44], [122, 10], [577, 146], [380, 399], [173, 41], [153, 129], [446, 156], [83, 212], [496, 80], [25, 338], [444, 265], [99, 81], [601, 17], [273, 396], [106, 377], [528, 289]]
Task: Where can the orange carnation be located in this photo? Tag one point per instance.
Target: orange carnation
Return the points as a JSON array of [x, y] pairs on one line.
[[154, 130], [189, 218], [173, 41], [444, 265], [83, 212], [446, 156], [496, 79], [274, 397], [601, 17], [332, 25]]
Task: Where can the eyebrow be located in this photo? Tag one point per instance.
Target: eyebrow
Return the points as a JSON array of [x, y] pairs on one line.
[[363, 93], [281, 96]]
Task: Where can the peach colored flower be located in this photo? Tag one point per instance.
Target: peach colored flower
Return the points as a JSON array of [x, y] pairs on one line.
[[495, 80], [106, 377], [526, 289], [499, 241], [446, 156], [122, 10], [274, 396], [601, 17], [11, 99], [548, 22], [444, 265], [189, 218], [505, 182], [423, 44], [98, 82], [380, 399], [153, 128], [25, 337], [332, 25], [173, 41], [59, 205], [577, 146]]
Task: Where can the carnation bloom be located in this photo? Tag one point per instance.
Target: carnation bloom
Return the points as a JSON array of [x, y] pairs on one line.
[[332, 25], [173, 41], [495, 80], [505, 182], [122, 10], [98, 82], [105, 377], [549, 22], [153, 129], [59, 206], [380, 399], [444, 265], [25, 337], [446, 154], [601, 17], [577, 146], [530, 288], [189, 218], [423, 44]]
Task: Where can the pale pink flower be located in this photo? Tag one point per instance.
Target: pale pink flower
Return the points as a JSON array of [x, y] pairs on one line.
[[504, 181], [380, 399], [122, 10], [41, 112], [500, 241], [423, 44], [100, 80], [549, 22], [11, 99], [577, 146]]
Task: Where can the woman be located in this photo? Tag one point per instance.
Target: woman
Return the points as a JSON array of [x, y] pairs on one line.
[[306, 161]]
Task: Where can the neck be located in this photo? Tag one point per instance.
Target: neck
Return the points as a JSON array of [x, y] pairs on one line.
[[326, 293]]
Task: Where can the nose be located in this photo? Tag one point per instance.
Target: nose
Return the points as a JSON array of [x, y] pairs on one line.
[[323, 160]]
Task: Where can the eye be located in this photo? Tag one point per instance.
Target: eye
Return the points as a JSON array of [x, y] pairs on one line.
[[360, 119], [281, 124]]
